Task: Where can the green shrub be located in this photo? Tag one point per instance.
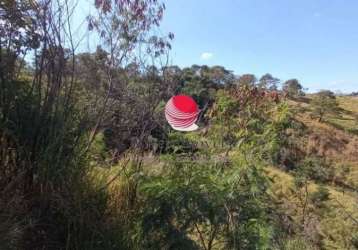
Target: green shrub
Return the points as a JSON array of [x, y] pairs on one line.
[[315, 168], [320, 196]]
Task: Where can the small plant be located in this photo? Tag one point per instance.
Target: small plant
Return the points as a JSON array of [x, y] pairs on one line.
[[316, 168], [320, 196], [354, 240]]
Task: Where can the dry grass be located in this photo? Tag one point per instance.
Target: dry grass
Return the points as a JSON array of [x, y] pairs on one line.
[[327, 141], [332, 139], [336, 225], [349, 103], [347, 120]]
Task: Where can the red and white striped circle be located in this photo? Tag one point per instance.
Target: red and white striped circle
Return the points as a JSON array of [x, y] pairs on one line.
[[181, 113]]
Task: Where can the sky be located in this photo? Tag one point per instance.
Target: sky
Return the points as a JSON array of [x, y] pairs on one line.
[[315, 41]]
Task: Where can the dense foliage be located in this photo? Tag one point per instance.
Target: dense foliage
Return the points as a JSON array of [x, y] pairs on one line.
[[88, 161]]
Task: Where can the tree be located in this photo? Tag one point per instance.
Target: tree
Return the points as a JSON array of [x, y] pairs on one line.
[[293, 88], [323, 103], [127, 35], [269, 82], [19, 33], [247, 80], [202, 82], [219, 75]]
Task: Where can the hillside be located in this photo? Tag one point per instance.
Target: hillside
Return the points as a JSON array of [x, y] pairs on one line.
[[335, 141]]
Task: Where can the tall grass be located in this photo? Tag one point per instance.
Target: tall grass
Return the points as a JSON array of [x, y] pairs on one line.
[[46, 198]]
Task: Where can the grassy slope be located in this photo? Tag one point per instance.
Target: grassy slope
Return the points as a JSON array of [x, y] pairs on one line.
[[334, 140], [336, 225], [349, 119], [339, 133]]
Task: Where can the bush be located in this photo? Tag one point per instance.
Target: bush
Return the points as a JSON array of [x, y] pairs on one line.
[[320, 196], [179, 144], [194, 199], [316, 169]]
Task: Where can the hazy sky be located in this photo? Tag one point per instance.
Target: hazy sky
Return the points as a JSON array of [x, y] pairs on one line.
[[315, 41]]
